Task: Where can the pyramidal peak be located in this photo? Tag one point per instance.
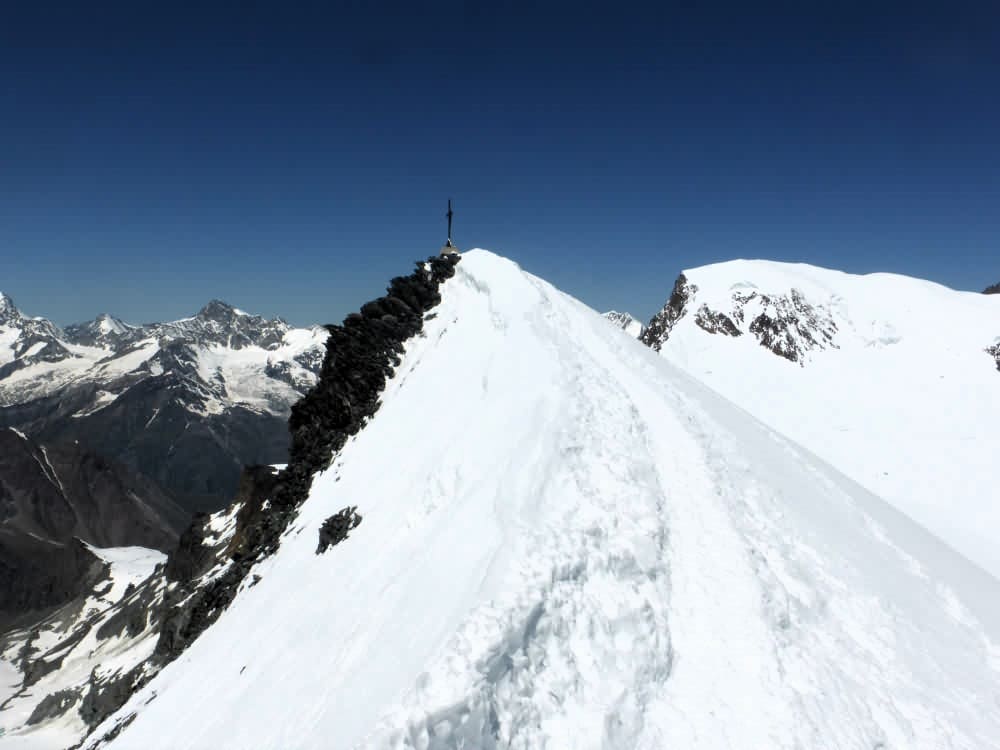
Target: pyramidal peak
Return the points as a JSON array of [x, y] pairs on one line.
[[8, 310], [220, 311]]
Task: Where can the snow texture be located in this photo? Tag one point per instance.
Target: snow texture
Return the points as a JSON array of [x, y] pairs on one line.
[[570, 543]]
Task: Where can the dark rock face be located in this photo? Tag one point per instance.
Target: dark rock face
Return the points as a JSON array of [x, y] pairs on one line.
[[994, 351], [658, 330], [54, 705], [716, 322], [104, 698], [196, 458], [336, 528], [787, 325], [994, 289], [790, 326], [53, 496], [207, 570]]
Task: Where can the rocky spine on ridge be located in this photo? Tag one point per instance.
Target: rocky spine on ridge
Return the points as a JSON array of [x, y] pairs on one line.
[[994, 351], [658, 330], [204, 574], [994, 289]]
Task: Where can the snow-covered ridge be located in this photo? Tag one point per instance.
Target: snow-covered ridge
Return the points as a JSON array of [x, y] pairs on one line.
[[591, 551], [892, 379]]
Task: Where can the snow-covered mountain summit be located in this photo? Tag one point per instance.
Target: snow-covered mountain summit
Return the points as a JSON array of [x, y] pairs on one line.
[[37, 358], [567, 542], [891, 379]]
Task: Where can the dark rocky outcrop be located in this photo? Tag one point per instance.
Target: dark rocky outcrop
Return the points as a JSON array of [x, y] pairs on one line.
[[133, 615], [786, 324], [161, 426], [716, 322], [790, 326], [994, 289], [658, 330], [336, 528], [54, 705], [104, 697], [994, 351]]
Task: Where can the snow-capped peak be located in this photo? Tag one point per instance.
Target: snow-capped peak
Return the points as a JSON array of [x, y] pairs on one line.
[[8, 311], [110, 324], [219, 311], [591, 551]]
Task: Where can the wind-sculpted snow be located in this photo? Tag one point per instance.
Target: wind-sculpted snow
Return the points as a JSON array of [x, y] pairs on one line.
[[890, 381], [569, 543]]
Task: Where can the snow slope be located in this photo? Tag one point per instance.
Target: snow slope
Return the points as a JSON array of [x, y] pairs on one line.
[[904, 398], [569, 543]]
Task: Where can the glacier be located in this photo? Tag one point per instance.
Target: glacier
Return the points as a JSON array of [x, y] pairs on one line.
[[569, 542]]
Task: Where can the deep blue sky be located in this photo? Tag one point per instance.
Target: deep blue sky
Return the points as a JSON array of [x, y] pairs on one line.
[[291, 157]]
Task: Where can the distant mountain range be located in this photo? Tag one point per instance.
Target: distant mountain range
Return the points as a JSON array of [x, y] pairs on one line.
[[115, 434], [994, 289], [188, 403]]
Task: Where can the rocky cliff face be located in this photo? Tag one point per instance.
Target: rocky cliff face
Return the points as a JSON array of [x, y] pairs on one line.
[[658, 330], [53, 496]]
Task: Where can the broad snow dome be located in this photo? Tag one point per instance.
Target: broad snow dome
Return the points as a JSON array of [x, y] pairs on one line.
[[569, 543]]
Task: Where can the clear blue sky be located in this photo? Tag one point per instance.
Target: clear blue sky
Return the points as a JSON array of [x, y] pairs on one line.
[[291, 157]]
